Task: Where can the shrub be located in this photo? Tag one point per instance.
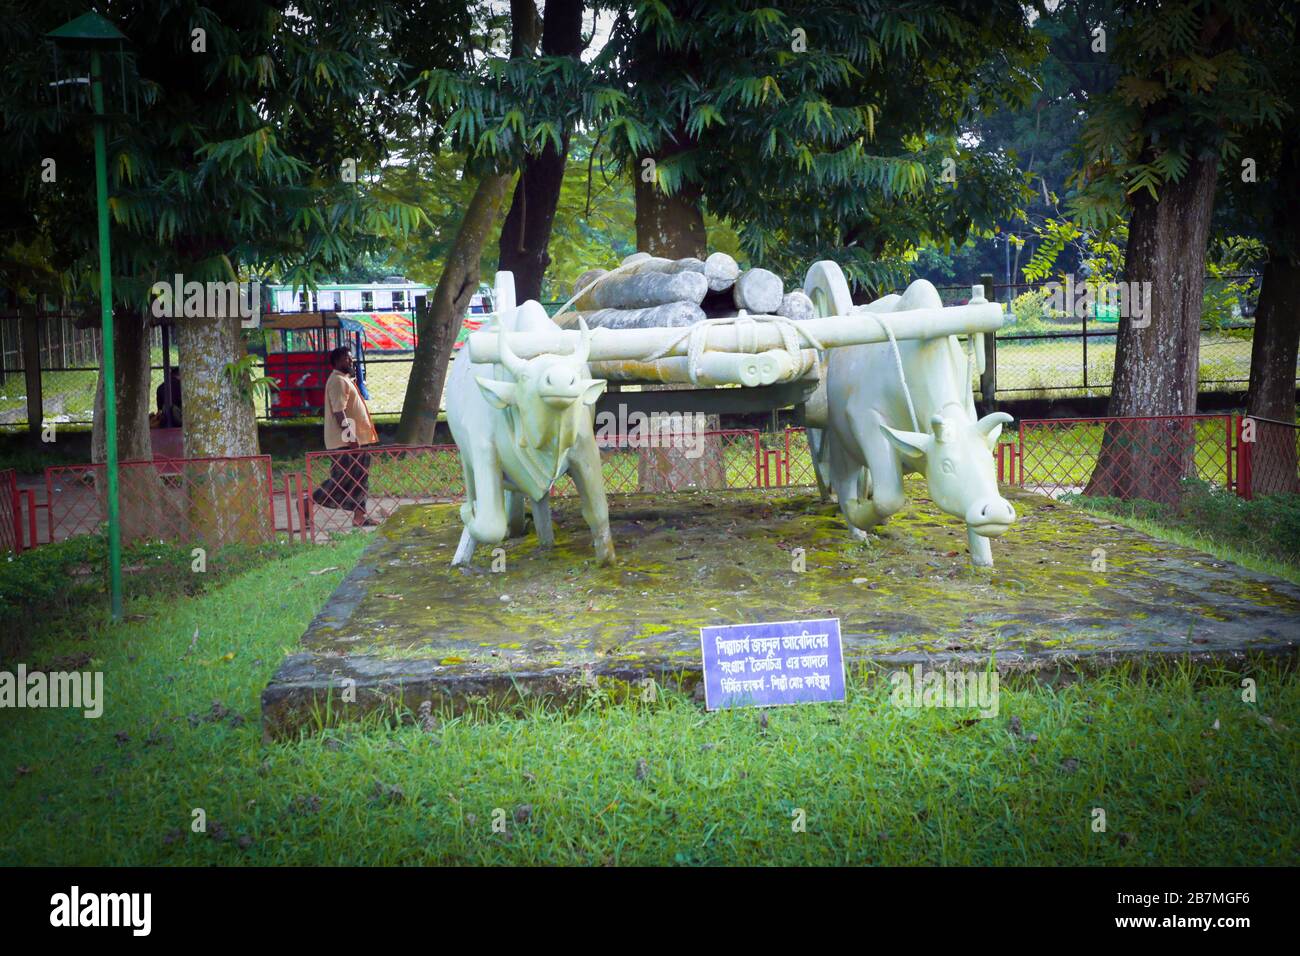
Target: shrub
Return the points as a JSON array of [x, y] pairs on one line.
[[1029, 313], [1268, 526]]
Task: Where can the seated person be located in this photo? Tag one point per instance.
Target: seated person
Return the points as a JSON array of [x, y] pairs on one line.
[[169, 416]]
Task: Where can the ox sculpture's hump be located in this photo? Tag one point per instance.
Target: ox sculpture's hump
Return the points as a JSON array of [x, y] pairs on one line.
[[921, 294], [531, 317]]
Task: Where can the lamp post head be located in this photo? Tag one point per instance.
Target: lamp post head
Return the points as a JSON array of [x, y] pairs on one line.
[[90, 31]]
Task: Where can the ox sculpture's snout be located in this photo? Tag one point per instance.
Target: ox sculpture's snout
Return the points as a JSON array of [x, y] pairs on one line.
[[561, 385], [990, 517]]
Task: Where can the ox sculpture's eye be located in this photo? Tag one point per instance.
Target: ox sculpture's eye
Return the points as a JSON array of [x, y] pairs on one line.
[[948, 467]]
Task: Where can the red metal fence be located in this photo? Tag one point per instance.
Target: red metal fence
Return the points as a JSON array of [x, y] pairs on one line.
[[1269, 457], [208, 501], [632, 464], [11, 532], [215, 501], [1140, 457], [393, 475]]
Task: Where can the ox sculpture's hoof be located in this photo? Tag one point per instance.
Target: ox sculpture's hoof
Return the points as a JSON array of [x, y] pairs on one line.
[[464, 550], [981, 550]]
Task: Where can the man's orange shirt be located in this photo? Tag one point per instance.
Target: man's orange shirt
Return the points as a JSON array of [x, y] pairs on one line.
[[342, 395]]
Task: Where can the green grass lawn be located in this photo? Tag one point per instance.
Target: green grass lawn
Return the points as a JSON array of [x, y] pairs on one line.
[[1186, 772]]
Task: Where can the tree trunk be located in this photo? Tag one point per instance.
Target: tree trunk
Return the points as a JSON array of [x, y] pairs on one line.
[[1277, 328], [669, 226], [438, 326], [139, 489], [219, 420], [131, 355], [1273, 456], [1156, 366], [526, 233], [1274, 346], [224, 501], [673, 227]]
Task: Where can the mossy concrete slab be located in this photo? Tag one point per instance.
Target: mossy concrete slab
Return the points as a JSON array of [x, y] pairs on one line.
[[404, 627]]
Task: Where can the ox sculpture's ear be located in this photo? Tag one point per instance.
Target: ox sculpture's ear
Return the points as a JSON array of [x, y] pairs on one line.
[[593, 391], [911, 445], [498, 394], [990, 426]]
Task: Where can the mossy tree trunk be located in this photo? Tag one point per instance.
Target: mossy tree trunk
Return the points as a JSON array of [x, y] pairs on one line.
[[226, 500], [1156, 366], [131, 354]]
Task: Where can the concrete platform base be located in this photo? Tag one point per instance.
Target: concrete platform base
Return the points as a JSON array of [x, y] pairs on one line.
[[404, 627]]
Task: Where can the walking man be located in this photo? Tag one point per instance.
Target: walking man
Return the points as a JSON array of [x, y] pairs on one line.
[[347, 425]]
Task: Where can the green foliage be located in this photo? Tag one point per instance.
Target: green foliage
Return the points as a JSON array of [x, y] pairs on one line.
[[1228, 283], [64, 585], [234, 163], [842, 144], [1191, 82], [1099, 253], [1030, 314], [250, 386], [38, 581]]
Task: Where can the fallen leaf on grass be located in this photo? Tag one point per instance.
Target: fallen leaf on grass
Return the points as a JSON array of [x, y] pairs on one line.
[[323, 570], [1269, 722]]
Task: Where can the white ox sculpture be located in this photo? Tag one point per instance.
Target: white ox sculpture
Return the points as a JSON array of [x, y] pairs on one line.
[[869, 441], [520, 424]]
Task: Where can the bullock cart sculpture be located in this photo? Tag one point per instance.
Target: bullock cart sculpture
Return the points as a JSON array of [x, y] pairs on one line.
[[885, 388]]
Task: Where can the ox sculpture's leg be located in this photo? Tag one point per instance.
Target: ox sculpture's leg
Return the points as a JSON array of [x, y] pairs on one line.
[[484, 512], [514, 514], [542, 522], [465, 549], [869, 496], [816, 443], [584, 468]]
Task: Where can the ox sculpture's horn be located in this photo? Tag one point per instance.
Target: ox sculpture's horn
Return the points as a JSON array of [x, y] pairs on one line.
[[513, 363], [584, 342]]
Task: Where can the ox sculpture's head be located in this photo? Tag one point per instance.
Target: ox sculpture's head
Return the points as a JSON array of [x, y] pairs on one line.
[[550, 394], [957, 460]]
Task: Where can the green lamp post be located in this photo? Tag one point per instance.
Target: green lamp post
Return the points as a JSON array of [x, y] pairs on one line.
[[92, 32]]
